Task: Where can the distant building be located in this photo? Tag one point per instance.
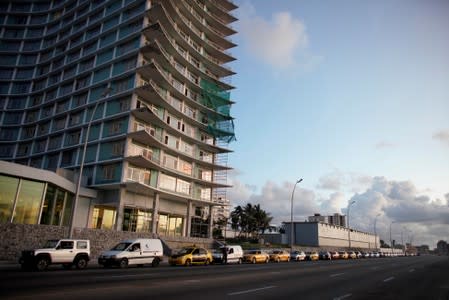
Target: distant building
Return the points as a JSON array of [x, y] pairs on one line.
[[318, 234], [442, 248], [335, 219]]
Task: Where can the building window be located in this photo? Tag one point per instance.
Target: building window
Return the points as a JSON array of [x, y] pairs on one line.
[[167, 182], [118, 148], [104, 217], [137, 220], [8, 190], [182, 187], [28, 202]]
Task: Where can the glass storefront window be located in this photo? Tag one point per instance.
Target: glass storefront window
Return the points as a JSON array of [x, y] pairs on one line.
[[28, 202], [49, 201], [162, 224], [103, 218], [59, 206], [137, 220], [67, 210], [8, 189]]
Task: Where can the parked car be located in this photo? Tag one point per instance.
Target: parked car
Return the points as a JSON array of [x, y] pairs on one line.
[[256, 256], [325, 255], [359, 254], [352, 255], [343, 254], [279, 255], [312, 255], [133, 252], [297, 255], [375, 254], [366, 254], [234, 254], [67, 252], [188, 256], [335, 255]]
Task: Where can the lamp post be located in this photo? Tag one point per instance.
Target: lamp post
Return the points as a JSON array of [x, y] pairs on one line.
[[349, 229], [291, 216], [391, 241], [83, 156], [375, 233]]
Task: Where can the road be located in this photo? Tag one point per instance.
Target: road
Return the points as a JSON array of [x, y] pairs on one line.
[[422, 277]]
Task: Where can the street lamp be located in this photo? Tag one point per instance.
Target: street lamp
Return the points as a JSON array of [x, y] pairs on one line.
[[83, 155], [291, 216], [349, 228], [391, 241], [375, 233]]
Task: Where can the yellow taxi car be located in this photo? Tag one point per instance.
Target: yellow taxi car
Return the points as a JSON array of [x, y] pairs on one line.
[[256, 256], [312, 255], [188, 256], [279, 255]]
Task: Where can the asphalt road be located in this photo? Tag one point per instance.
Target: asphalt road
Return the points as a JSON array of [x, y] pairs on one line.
[[422, 277]]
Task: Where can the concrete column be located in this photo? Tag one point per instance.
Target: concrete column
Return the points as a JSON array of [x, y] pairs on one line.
[[211, 221], [188, 222], [120, 209], [155, 215]]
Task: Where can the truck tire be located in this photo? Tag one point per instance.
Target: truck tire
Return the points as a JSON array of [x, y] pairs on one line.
[[42, 263], [155, 262], [123, 263], [81, 263]]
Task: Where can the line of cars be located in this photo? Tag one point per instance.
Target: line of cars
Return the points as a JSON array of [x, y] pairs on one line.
[[139, 252]]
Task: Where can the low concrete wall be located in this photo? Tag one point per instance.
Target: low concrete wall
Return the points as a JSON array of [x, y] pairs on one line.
[[17, 237]]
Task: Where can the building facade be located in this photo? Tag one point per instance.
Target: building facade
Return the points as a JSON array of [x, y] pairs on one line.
[[335, 219], [319, 234], [142, 85]]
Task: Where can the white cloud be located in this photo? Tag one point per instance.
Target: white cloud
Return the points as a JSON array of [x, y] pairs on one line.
[[443, 136], [278, 42], [399, 202], [414, 215]]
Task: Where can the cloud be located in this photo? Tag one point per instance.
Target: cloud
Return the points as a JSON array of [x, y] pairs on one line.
[[414, 215], [399, 202], [278, 42], [442, 136]]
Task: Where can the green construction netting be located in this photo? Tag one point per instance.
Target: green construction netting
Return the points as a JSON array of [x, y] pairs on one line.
[[214, 97]]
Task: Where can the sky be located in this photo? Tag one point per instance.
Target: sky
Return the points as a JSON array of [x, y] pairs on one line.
[[352, 97]]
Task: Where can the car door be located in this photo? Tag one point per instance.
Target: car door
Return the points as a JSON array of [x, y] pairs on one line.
[[64, 252], [196, 257], [135, 254]]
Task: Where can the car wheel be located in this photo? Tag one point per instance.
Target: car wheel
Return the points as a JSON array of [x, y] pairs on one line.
[[67, 266], [42, 264], [81, 263], [123, 263], [254, 260], [188, 263], [155, 262]]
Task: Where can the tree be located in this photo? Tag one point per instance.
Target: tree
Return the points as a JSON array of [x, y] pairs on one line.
[[250, 220]]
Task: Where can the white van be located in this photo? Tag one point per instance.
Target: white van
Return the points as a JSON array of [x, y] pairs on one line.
[[133, 252], [234, 254]]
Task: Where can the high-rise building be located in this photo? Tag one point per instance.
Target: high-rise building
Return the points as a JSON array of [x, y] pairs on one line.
[[146, 82]]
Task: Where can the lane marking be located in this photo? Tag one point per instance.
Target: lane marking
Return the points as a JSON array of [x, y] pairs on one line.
[[335, 275], [192, 280], [251, 290], [122, 276], [343, 297], [411, 270], [388, 279]]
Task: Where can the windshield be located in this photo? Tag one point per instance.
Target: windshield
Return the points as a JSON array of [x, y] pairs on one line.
[[121, 246], [185, 251], [51, 244]]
